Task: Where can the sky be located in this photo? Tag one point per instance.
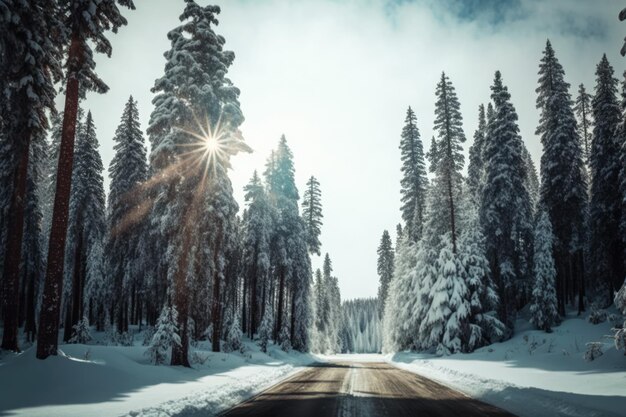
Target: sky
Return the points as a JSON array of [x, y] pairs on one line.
[[336, 77]]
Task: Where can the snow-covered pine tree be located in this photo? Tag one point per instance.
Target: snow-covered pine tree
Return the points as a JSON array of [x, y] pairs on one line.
[[50, 175], [605, 247], [475, 168], [193, 197], [126, 210], [233, 337], [484, 327], [543, 307], [291, 264], [87, 224], [265, 329], [414, 181], [322, 310], [532, 180], [256, 250], [446, 153], [386, 256], [582, 107], [446, 324], [398, 320], [84, 25], [312, 214], [505, 206], [563, 185], [399, 235], [166, 336], [30, 67]]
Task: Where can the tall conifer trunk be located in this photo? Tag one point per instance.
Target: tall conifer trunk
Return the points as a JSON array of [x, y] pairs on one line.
[[47, 340]]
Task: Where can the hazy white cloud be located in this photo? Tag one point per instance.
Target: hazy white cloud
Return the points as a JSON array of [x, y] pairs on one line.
[[337, 76]]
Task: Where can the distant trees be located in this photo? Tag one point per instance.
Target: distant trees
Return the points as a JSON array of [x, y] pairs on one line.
[[328, 319]]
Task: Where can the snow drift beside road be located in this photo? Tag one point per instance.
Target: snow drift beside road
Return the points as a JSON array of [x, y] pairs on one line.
[[115, 380]]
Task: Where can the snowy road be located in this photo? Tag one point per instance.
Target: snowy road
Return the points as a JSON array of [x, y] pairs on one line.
[[347, 389]]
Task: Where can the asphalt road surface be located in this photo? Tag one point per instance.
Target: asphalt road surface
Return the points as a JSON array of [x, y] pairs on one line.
[[362, 390]]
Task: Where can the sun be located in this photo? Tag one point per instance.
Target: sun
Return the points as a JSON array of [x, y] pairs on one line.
[[211, 144]]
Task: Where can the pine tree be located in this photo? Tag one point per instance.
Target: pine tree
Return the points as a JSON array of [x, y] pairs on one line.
[[87, 223], [166, 336], [398, 319], [322, 310], [582, 107], [50, 180], [484, 327], [532, 180], [256, 249], [193, 197], [84, 22], [126, 209], [414, 181], [605, 246], [265, 330], [385, 267], [505, 209], [543, 308], [447, 322], [399, 235], [30, 67], [446, 155], [290, 259], [563, 185], [312, 214], [476, 169]]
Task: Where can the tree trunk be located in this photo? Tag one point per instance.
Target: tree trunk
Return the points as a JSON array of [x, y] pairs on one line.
[[216, 307], [30, 327], [78, 260], [47, 339], [13, 252], [281, 296]]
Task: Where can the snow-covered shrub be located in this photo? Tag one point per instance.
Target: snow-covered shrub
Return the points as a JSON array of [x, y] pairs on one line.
[[620, 337], [265, 331], [165, 336], [148, 333], [233, 337], [81, 333], [284, 339], [620, 299], [197, 359], [594, 351], [596, 316], [126, 338]]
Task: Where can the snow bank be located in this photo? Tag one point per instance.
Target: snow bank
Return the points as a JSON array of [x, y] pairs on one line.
[[113, 380], [536, 373]]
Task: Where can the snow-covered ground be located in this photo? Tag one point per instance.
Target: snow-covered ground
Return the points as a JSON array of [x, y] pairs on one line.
[[536, 374], [117, 381]]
